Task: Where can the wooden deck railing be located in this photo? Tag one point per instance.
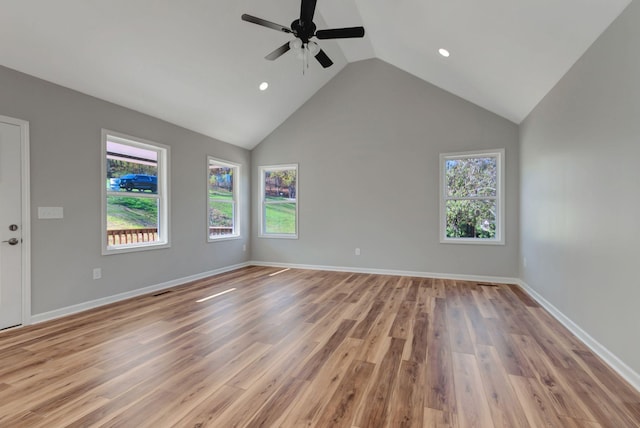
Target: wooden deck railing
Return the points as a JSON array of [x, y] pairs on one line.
[[218, 230], [131, 236]]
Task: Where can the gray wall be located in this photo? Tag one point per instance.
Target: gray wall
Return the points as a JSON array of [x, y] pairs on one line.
[[580, 191], [367, 145], [65, 171]]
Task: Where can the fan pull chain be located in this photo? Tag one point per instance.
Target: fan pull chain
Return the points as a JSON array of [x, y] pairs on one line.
[[305, 58]]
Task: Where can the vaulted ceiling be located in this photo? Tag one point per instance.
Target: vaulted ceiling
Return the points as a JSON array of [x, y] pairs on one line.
[[194, 63]]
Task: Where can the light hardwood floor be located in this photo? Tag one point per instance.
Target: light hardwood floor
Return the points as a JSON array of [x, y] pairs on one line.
[[311, 348]]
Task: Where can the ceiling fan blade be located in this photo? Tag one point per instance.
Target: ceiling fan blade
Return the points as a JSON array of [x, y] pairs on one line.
[[278, 52], [307, 9], [265, 23], [323, 59], [340, 33]]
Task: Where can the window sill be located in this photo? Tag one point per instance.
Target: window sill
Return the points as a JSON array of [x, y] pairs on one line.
[[472, 241], [130, 249], [276, 236], [224, 238]]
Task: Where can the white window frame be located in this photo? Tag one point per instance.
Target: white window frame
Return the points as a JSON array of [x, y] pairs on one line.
[[162, 194], [235, 201], [264, 203], [499, 198]]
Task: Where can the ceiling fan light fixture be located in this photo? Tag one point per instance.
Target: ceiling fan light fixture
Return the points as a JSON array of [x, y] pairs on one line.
[[297, 47], [295, 44], [445, 53], [313, 48]]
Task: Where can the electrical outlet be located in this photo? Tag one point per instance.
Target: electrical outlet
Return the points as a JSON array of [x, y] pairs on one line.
[[524, 262], [97, 273], [244, 247], [357, 252]]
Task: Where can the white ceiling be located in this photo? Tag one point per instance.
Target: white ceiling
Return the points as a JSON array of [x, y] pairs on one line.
[[196, 64]]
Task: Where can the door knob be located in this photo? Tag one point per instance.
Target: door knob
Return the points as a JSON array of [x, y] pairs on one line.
[[12, 241]]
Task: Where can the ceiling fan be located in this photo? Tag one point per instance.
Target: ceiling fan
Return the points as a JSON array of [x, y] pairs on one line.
[[304, 29]]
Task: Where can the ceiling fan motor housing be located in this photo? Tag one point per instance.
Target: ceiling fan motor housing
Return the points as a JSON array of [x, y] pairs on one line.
[[303, 31]]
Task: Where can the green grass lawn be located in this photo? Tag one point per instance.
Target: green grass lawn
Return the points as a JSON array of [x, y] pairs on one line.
[[136, 213], [280, 218], [220, 194], [221, 208], [131, 213]]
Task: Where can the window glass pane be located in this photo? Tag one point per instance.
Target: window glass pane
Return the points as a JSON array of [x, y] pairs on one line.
[[135, 173], [469, 177], [132, 220], [131, 169], [280, 218], [221, 182], [471, 219], [279, 201], [220, 218], [222, 209], [280, 185]]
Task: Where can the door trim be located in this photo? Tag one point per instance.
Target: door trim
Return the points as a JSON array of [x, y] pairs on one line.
[[26, 215]]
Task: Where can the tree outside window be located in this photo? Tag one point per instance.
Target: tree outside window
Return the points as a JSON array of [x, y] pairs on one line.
[[472, 205]]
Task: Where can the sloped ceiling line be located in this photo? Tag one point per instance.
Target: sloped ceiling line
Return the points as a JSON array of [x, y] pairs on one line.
[[196, 64]]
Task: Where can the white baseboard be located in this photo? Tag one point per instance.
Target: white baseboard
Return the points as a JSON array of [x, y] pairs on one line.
[[607, 356], [69, 310], [477, 278]]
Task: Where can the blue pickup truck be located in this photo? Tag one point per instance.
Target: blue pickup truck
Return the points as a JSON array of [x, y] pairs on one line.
[[139, 182]]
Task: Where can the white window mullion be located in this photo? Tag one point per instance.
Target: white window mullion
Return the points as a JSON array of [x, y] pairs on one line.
[[472, 198]]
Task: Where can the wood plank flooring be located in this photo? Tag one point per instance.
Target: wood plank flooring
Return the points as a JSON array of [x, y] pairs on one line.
[[298, 348]]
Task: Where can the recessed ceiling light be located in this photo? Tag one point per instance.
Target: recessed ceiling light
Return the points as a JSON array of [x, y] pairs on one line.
[[445, 53], [263, 86]]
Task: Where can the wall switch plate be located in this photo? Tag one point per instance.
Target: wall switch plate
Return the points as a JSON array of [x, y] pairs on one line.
[[97, 273], [50, 212], [244, 247], [357, 252]]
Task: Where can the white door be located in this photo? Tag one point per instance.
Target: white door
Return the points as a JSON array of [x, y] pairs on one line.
[[10, 225]]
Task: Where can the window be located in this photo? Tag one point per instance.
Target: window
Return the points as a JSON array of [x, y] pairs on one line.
[[135, 194], [279, 190], [222, 196], [472, 205]]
